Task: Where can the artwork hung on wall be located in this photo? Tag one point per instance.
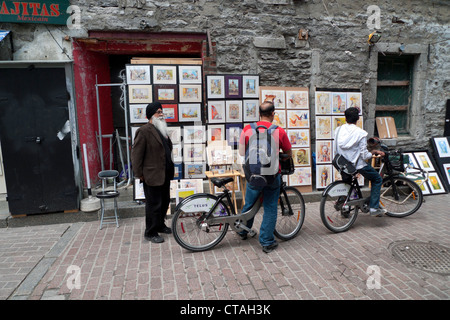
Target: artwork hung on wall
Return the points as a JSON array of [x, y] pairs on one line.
[[301, 177], [177, 153], [323, 102], [190, 93], [165, 93], [215, 87], [354, 101], [298, 137], [277, 97], [164, 74], [323, 176], [297, 99], [279, 118], [337, 122], [250, 86], [174, 134], [138, 74], [194, 134], [339, 102], [138, 113], [323, 151], [216, 111], [195, 170], [216, 132], [189, 74], [140, 94], [251, 110], [178, 171], [170, 112], [442, 147], [197, 184], [298, 118], [233, 133], [233, 87], [301, 156], [194, 152], [233, 110], [189, 112], [323, 127]]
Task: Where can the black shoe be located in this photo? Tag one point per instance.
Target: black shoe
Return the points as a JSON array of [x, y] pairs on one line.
[[166, 230], [155, 239], [270, 247]]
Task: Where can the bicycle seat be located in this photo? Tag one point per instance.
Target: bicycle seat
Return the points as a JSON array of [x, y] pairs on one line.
[[220, 182]]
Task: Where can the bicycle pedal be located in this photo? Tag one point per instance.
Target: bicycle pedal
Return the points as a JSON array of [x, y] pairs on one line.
[[252, 233]]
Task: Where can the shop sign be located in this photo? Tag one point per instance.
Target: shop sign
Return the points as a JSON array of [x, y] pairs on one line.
[[35, 11]]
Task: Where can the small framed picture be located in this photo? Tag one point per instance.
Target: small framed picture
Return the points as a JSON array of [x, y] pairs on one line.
[[177, 153], [170, 112], [339, 102], [354, 101], [442, 147], [197, 184], [195, 170], [164, 74], [412, 163], [189, 112], [174, 134], [216, 132], [233, 87], [216, 111], [323, 127], [323, 151], [178, 171], [324, 175], [299, 137], [215, 87], [190, 93], [140, 94], [183, 193], [251, 110], [279, 118], [424, 161], [189, 74], [277, 97], [233, 133], [298, 118], [301, 177], [301, 156], [436, 185], [194, 134], [165, 93], [447, 172], [233, 110], [337, 121], [194, 152], [297, 99], [323, 102], [138, 74], [138, 113], [250, 86], [423, 186]]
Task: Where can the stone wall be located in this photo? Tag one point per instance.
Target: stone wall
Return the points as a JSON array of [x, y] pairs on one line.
[[262, 36]]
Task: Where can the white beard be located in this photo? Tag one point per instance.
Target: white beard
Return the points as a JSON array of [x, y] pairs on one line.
[[160, 124]]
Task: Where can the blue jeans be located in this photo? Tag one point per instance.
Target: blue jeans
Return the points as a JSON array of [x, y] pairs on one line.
[[374, 177], [271, 194]]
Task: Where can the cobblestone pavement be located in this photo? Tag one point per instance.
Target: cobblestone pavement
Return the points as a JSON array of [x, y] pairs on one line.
[[117, 263]]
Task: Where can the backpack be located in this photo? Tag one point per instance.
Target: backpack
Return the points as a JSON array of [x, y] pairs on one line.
[[261, 156]]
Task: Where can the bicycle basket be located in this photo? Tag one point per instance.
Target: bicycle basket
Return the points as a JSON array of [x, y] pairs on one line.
[[396, 161], [287, 166]]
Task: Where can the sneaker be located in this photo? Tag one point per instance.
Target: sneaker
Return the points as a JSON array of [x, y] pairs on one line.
[[155, 239], [166, 230], [270, 247], [378, 212]]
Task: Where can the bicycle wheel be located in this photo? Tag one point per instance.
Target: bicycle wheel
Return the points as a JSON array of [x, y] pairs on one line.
[[401, 198], [335, 216], [189, 227], [291, 214]]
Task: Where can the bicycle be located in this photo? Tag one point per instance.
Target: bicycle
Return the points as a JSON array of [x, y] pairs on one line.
[[400, 196], [201, 221]]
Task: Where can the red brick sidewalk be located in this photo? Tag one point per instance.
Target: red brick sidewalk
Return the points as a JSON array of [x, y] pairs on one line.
[[117, 263]]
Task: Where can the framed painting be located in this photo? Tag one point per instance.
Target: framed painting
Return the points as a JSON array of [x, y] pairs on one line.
[[194, 152], [251, 110], [164, 74], [177, 153], [190, 93], [140, 94], [197, 184], [339, 102], [442, 147], [138, 113], [277, 97], [323, 127], [189, 112], [216, 132], [323, 102], [279, 118], [324, 175], [216, 111], [301, 177], [165, 93], [215, 86], [447, 172], [189, 74], [299, 137], [298, 118], [233, 133], [423, 186], [323, 151], [233, 110], [138, 74], [337, 122], [233, 87], [170, 112], [194, 134], [174, 134], [297, 99], [354, 100], [250, 86], [195, 170], [301, 156], [424, 161], [412, 164], [183, 193], [436, 185], [178, 171]]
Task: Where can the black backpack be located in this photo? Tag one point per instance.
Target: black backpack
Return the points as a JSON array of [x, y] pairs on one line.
[[261, 156]]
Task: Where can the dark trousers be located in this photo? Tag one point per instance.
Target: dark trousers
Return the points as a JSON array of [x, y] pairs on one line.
[[157, 200]]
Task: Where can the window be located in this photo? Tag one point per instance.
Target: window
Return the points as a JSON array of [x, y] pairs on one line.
[[395, 74]]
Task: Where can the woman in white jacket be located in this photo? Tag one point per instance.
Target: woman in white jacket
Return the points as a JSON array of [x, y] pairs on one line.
[[352, 144]]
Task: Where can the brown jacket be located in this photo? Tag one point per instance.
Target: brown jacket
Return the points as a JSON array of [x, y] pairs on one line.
[[148, 157]]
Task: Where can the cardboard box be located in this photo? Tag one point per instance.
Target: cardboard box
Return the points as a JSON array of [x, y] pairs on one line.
[[386, 127]]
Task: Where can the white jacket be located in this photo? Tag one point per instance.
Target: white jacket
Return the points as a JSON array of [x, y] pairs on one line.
[[352, 144]]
